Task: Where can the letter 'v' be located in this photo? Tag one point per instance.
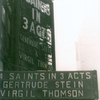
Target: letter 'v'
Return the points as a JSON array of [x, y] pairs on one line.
[[2, 92]]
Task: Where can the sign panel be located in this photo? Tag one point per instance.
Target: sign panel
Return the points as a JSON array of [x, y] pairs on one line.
[[35, 35], [49, 85]]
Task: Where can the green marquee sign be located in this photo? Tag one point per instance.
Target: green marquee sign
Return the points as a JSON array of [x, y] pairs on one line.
[[49, 85]]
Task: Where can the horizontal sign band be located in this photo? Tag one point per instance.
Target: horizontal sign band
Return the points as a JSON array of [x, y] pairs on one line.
[[49, 85]]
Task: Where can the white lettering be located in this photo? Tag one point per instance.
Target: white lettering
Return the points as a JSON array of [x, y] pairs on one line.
[[38, 16], [75, 75], [63, 93], [2, 92], [82, 74], [25, 26], [88, 75], [33, 13], [70, 76], [32, 28], [26, 58], [40, 5], [11, 76], [62, 75], [80, 84]]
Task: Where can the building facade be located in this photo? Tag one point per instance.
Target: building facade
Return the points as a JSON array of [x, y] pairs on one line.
[[27, 35], [5, 32], [88, 53]]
